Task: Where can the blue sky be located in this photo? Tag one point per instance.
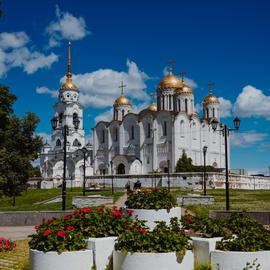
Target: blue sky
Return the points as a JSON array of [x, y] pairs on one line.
[[224, 41]]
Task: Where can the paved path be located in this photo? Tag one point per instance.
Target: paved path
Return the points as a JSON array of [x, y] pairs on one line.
[[16, 232], [121, 201]]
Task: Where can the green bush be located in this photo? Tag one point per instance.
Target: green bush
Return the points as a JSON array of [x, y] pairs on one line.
[[162, 239], [158, 198]]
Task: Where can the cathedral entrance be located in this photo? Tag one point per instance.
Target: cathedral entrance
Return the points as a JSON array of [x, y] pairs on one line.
[[121, 169]]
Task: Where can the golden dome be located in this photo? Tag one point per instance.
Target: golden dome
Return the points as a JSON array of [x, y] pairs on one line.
[[184, 90], [122, 100], [210, 99], [152, 107], [69, 85], [170, 81]]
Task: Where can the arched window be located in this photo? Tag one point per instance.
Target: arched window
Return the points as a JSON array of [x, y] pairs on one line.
[[207, 113], [163, 101], [179, 105], [60, 118], [132, 133], [186, 105], [170, 102], [213, 110], [76, 143], [182, 128], [123, 114], [58, 143], [75, 117]]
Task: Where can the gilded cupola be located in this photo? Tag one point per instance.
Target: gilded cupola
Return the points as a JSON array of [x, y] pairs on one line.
[[122, 100], [68, 84], [170, 81], [210, 99]]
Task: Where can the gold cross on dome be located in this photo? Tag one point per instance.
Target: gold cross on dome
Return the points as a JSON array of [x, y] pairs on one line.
[[170, 62], [211, 84], [153, 96], [122, 86], [182, 74]]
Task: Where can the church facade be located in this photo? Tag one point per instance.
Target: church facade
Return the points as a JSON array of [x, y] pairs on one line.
[[67, 113], [155, 138]]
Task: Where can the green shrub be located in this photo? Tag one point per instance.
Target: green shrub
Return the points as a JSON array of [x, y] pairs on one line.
[[158, 198], [203, 267]]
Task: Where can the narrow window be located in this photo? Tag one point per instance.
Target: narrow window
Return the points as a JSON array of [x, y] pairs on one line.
[[123, 114], [58, 143], [186, 105], [132, 133], [75, 117], [207, 113], [213, 112], [170, 102], [165, 128], [148, 130], [103, 136]]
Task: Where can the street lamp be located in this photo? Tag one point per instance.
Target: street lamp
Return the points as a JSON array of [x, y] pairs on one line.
[[225, 131], [65, 131], [204, 179], [169, 182], [84, 152], [112, 175]]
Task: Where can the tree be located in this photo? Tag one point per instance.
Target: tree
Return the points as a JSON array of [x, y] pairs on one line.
[[184, 164], [18, 146]]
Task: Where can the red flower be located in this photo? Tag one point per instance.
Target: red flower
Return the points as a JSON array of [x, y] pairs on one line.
[[189, 219], [70, 228], [142, 231], [67, 216], [157, 188], [117, 213], [50, 221], [61, 233], [86, 210], [146, 191], [134, 228], [37, 227], [101, 209], [129, 211], [47, 232]]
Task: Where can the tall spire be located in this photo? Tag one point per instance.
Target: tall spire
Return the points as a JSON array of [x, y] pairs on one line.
[[170, 62], [69, 83], [211, 84]]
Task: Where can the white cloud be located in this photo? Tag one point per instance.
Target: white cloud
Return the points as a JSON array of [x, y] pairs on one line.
[[225, 107], [66, 26], [46, 90], [100, 88], [252, 102], [45, 137], [104, 116], [15, 53], [247, 139], [198, 108]]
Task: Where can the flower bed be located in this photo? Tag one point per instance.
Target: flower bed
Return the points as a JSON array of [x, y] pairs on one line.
[[165, 247], [6, 244]]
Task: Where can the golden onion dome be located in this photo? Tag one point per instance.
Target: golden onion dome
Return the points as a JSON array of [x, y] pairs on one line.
[[122, 100], [68, 84], [170, 81], [184, 90], [210, 99], [152, 107]]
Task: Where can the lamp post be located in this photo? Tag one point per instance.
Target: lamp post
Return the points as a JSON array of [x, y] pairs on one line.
[[84, 152], [169, 182], [204, 165], [225, 131], [112, 175], [65, 131]]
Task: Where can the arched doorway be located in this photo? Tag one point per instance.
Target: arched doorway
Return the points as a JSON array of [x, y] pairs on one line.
[[121, 169]]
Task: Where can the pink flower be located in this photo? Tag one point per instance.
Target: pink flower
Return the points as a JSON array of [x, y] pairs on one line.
[[86, 210], [37, 227], [129, 211], [70, 228], [67, 216], [61, 233], [47, 232]]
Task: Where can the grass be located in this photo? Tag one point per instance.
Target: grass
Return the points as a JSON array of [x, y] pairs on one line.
[[26, 201], [249, 200], [17, 259]]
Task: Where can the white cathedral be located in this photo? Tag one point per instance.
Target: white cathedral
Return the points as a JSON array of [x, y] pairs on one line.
[[135, 143]]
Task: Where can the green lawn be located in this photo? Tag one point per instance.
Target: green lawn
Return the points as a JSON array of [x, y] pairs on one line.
[[258, 200], [28, 198]]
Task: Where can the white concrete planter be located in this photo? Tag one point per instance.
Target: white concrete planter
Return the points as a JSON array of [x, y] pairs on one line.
[[69, 260], [155, 261], [152, 215], [102, 248], [236, 260], [202, 248]]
